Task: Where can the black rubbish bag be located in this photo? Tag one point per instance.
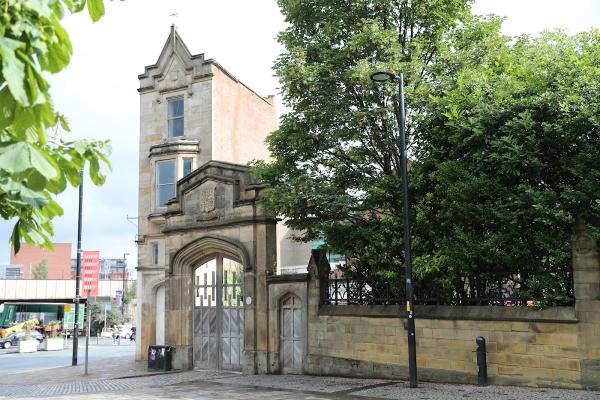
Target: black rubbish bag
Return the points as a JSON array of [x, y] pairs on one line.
[[160, 357]]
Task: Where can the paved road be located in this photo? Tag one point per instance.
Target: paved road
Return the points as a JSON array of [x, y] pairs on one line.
[[123, 378], [12, 362], [222, 386]]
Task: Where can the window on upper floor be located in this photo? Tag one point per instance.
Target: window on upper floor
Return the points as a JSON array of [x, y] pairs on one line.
[[175, 116], [187, 166], [165, 182], [154, 253]]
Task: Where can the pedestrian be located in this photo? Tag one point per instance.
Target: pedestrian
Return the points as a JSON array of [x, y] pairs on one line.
[[115, 334], [47, 331], [132, 336]]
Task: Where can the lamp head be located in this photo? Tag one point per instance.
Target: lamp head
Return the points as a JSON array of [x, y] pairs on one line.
[[382, 76]]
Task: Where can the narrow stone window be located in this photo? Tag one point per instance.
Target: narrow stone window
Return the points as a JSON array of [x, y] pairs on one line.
[[187, 166], [175, 117], [165, 182], [154, 253]]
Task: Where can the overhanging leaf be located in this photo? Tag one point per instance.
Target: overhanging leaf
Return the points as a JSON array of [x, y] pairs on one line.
[[21, 156], [95, 9], [15, 238], [13, 69], [7, 108]]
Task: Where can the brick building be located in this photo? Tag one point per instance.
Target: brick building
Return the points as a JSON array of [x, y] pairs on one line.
[[29, 257], [90, 272]]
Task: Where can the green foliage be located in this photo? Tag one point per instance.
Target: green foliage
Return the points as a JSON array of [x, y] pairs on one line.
[[34, 165], [54, 326], [40, 271], [28, 326], [503, 139], [509, 158], [336, 167], [130, 294], [113, 317]]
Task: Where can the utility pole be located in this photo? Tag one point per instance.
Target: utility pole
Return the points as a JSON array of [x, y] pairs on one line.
[[89, 326], [78, 275], [124, 283]]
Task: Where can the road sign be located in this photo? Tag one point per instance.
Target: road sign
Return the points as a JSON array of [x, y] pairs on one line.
[[70, 316]]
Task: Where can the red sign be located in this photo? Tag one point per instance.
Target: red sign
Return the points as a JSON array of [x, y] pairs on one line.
[[90, 272]]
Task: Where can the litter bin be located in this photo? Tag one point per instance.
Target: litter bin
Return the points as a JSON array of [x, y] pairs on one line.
[[159, 357]]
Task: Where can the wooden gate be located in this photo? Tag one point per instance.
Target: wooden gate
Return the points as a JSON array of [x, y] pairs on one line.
[[218, 315]]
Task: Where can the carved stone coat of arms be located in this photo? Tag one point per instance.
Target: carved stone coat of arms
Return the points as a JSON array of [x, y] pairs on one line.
[[207, 199]]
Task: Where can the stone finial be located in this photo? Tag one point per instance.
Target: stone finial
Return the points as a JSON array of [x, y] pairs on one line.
[[580, 226], [583, 243], [586, 264], [318, 265], [173, 33]]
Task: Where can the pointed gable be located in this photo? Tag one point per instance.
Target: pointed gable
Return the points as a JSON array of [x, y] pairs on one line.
[[175, 68], [216, 193]]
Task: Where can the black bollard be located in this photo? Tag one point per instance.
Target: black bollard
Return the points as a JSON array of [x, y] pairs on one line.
[[481, 361]]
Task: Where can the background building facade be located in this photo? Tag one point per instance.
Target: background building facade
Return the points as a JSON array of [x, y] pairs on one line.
[[29, 257]]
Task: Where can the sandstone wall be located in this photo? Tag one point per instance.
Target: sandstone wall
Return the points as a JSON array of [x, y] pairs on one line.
[[553, 347], [519, 352]]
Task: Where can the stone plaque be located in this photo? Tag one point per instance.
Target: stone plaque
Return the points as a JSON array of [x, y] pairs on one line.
[[207, 199], [583, 244], [174, 74]]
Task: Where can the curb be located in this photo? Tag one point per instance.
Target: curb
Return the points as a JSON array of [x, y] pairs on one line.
[[176, 371]]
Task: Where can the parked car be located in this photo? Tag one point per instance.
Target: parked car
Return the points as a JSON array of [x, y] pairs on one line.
[[106, 333], [13, 340]]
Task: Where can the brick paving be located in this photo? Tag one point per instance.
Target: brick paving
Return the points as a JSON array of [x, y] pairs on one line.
[[110, 368], [101, 385], [122, 378]]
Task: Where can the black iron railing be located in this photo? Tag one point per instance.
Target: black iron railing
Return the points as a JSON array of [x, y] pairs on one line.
[[346, 291], [343, 291]]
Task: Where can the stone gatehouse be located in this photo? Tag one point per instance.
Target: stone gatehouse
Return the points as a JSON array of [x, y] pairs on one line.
[[210, 258], [200, 227]]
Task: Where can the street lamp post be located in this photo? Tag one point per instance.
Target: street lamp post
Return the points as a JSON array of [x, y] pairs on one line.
[[412, 344], [77, 275]]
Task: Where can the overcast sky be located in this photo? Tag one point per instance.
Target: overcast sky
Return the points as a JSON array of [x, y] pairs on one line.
[[98, 90]]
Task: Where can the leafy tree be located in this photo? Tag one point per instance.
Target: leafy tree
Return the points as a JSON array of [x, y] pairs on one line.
[[40, 271], [336, 156], [35, 165], [97, 317], [503, 139], [509, 158], [130, 294]]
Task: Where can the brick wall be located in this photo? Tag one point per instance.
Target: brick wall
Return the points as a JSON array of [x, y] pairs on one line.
[[59, 260]]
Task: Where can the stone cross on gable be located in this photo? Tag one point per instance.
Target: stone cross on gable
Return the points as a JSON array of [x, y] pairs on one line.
[[174, 15]]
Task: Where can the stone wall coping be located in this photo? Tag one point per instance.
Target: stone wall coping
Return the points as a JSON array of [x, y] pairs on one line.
[[287, 278], [476, 313]]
